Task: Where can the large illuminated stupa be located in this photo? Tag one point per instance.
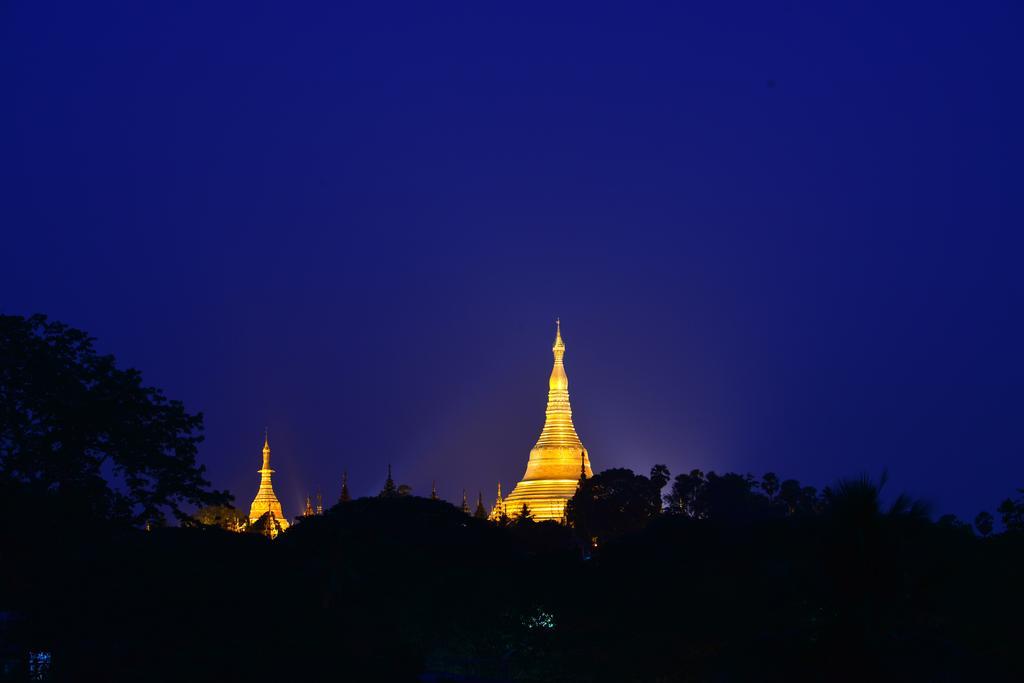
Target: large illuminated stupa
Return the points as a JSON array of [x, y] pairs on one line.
[[266, 500], [554, 467]]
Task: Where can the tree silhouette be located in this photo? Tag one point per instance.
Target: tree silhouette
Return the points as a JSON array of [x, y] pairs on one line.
[[730, 497], [660, 476], [860, 500], [69, 418], [950, 521], [1012, 513], [613, 503], [686, 492], [770, 485], [525, 515], [984, 522], [791, 495]]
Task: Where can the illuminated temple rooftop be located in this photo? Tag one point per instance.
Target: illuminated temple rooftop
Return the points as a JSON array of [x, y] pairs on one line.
[[266, 500], [553, 470]]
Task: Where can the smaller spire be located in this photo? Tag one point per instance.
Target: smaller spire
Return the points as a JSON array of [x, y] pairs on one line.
[[465, 503], [319, 502], [433, 490], [499, 506], [266, 451], [308, 512], [583, 469], [345, 497], [389, 485]]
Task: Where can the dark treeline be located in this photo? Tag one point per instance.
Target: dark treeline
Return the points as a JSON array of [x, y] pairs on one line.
[[700, 577]]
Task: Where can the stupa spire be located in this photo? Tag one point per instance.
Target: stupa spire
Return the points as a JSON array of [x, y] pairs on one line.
[[266, 500], [266, 449], [499, 506], [558, 428], [554, 468]]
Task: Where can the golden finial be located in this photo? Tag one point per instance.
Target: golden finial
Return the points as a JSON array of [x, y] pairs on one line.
[[559, 344], [266, 449]]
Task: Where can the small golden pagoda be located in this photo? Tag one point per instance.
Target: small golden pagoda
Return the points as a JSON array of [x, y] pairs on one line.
[[266, 500], [553, 470], [499, 507]]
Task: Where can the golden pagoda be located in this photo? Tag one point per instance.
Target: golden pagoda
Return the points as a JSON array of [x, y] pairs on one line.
[[266, 500], [499, 507], [553, 470]]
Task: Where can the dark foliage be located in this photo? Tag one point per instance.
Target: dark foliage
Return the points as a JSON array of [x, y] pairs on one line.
[[1012, 513], [72, 424], [738, 579], [984, 523], [402, 587], [613, 503]]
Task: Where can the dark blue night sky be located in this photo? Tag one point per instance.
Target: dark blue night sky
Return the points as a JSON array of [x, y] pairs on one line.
[[780, 236]]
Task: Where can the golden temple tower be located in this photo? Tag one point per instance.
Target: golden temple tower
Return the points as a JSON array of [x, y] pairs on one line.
[[266, 500], [554, 468], [499, 507]]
